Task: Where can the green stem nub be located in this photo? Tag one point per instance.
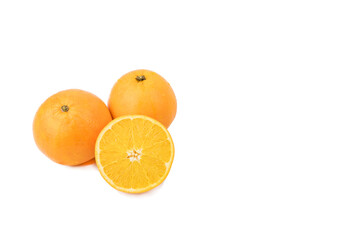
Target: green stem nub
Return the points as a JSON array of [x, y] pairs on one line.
[[140, 78], [65, 108]]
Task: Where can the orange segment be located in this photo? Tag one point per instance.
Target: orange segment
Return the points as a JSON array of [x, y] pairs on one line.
[[134, 153]]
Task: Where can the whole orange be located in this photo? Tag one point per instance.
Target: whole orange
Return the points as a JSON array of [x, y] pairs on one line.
[[143, 92], [67, 125]]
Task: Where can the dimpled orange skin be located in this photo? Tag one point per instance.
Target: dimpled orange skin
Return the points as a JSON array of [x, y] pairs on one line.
[[143, 92], [67, 135]]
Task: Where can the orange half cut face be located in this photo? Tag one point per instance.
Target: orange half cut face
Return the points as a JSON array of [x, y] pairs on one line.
[[134, 153]]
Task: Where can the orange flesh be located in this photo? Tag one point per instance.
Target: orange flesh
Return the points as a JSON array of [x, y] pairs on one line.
[[134, 153]]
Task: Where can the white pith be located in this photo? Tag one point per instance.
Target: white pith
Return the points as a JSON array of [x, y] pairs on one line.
[[134, 155]]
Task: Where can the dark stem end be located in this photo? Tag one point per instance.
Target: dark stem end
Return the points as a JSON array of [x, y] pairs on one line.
[[65, 108], [140, 78]]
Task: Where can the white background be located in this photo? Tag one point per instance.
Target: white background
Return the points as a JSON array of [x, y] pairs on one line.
[[267, 132]]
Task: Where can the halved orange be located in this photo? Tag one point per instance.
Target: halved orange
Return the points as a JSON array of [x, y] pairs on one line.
[[134, 153]]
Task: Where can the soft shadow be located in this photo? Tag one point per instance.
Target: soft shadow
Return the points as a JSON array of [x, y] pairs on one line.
[[90, 162], [148, 193]]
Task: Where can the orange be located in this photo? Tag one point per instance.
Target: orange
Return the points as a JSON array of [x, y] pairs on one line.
[[134, 153], [143, 92], [67, 125]]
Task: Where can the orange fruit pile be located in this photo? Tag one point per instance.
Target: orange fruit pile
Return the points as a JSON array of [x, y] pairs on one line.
[[134, 151]]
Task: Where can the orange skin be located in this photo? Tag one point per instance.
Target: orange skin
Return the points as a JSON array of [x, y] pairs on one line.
[[67, 125], [143, 92]]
